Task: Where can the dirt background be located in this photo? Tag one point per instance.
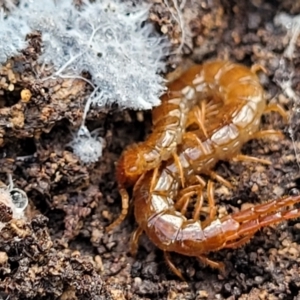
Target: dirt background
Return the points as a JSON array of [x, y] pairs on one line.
[[62, 251]]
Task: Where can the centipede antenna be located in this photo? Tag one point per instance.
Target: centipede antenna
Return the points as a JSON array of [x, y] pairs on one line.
[[124, 212]]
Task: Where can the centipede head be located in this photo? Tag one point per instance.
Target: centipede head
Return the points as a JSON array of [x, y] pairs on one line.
[[130, 166]]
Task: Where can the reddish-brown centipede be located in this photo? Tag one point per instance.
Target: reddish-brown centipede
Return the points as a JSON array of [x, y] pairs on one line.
[[237, 105]]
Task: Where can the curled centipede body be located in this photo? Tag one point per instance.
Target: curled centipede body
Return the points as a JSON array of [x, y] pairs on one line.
[[238, 103], [168, 125], [242, 99]]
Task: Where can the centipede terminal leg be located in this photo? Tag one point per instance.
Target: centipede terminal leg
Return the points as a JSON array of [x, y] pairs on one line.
[[265, 210]]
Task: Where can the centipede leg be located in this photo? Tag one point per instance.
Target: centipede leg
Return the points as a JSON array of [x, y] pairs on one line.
[[194, 137], [198, 179], [124, 212], [135, 240], [219, 178], [262, 134], [211, 200], [247, 158], [275, 107], [172, 266], [213, 264], [211, 203], [187, 194], [154, 178], [180, 169], [200, 117], [257, 67], [186, 199], [239, 243], [198, 207]]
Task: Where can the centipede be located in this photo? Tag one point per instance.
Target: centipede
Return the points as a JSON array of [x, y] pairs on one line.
[[163, 189]]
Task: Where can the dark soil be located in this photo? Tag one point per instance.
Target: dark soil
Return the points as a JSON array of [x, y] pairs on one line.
[[62, 250]]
